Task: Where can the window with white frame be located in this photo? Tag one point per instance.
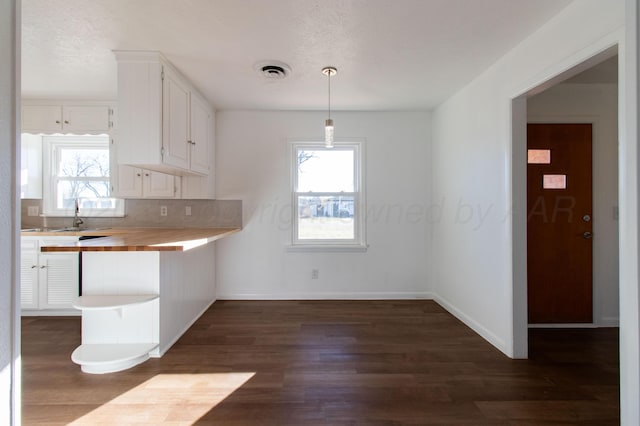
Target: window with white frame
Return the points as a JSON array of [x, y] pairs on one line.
[[76, 169], [327, 194]]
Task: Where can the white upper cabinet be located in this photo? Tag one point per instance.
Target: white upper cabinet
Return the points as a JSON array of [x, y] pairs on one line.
[[134, 182], [164, 123], [49, 117], [175, 121], [201, 134]]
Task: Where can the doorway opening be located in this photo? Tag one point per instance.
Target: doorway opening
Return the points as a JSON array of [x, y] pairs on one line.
[[584, 97]]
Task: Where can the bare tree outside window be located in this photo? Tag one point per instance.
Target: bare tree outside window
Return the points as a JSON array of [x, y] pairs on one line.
[[76, 169]]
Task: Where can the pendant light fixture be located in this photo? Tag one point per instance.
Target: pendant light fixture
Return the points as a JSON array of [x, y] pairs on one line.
[[328, 124]]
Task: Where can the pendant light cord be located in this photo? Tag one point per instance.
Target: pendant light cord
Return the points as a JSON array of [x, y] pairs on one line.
[[329, 76]]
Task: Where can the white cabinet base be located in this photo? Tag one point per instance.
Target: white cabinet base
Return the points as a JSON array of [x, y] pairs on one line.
[[109, 358]]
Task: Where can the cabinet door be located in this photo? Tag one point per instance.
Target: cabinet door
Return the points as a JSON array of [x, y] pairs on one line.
[[126, 182], [85, 119], [29, 279], [158, 185], [175, 121], [41, 119], [59, 279], [201, 129]]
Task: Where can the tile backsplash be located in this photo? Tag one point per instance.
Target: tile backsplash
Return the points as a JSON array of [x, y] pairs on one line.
[[146, 213]]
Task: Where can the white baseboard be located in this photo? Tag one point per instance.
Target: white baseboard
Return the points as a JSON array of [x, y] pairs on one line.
[[609, 322], [603, 322], [427, 295], [51, 313], [566, 325], [487, 335]]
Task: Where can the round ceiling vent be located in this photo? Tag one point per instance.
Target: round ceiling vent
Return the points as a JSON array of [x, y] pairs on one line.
[[273, 70]]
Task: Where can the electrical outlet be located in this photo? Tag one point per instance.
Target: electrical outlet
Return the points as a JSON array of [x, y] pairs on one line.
[[187, 211], [315, 274], [32, 211], [163, 210]]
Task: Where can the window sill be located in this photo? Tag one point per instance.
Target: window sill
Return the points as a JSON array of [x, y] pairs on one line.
[[326, 248]]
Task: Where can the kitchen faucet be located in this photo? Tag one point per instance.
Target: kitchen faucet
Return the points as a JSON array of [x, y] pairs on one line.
[[76, 219]]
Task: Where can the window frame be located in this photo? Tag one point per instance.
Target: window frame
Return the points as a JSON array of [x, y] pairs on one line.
[[358, 243], [51, 144]]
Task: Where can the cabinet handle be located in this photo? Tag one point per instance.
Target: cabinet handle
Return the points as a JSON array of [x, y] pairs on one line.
[[57, 121], [34, 266], [43, 266], [138, 174], [66, 121], [146, 174]]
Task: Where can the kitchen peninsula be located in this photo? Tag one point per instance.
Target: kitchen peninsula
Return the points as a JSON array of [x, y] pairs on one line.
[[142, 288]]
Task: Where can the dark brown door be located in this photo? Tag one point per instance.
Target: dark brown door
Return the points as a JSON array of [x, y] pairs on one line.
[[559, 223]]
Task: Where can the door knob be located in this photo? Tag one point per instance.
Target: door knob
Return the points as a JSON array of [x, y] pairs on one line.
[[587, 235]]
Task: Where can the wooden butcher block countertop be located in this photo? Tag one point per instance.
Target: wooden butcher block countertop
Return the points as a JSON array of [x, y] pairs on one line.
[[137, 239]]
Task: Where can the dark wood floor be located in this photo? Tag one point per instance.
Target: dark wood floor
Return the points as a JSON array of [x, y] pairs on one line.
[[328, 363]]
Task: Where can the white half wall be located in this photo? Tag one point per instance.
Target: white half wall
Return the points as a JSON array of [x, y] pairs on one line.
[[472, 167], [596, 104], [253, 164], [9, 213]]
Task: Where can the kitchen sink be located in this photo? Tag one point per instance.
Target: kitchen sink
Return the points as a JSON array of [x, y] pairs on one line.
[[90, 237]]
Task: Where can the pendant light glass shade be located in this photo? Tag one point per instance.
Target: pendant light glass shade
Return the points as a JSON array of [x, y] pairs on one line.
[[328, 124], [328, 133]]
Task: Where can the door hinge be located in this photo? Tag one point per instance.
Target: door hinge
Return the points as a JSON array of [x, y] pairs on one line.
[[162, 151], [162, 74]]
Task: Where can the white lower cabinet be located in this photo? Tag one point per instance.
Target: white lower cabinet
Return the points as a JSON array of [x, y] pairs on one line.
[[49, 281]]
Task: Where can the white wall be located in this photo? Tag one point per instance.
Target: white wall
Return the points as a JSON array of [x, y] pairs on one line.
[[472, 167], [9, 213], [596, 104], [253, 164], [629, 226]]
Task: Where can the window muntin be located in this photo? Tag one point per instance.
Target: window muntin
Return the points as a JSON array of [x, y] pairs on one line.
[[327, 194], [77, 168]]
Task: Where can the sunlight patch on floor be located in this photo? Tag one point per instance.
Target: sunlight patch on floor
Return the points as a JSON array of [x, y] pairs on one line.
[[178, 399]]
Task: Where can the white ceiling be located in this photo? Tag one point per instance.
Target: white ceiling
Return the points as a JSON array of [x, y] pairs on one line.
[[390, 54]]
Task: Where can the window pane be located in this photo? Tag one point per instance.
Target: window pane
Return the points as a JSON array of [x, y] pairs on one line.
[[90, 162], [554, 181], [326, 170], [539, 156], [90, 194], [326, 218]]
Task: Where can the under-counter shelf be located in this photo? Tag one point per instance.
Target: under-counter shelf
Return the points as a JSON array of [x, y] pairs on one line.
[[111, 301], [111, 357]]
